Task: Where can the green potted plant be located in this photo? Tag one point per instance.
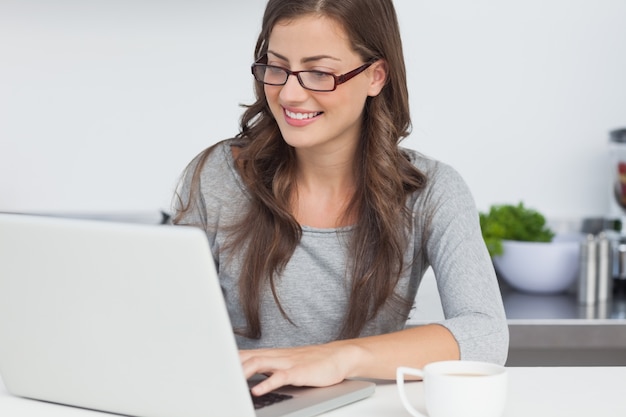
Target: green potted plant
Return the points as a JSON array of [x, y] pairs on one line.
[[513, 222], [526, 253]]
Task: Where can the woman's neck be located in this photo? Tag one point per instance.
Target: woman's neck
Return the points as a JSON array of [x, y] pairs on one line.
[[325, 186]]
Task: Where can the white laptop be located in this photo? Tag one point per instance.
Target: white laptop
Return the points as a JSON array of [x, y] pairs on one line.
[[129, 319]]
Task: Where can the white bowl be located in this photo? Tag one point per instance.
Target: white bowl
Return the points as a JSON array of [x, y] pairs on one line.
[[540, 267]]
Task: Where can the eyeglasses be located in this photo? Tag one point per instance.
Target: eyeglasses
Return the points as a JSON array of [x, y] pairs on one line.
[[310, 79]]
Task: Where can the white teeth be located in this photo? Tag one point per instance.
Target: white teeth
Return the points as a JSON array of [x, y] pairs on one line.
[[300, 116]]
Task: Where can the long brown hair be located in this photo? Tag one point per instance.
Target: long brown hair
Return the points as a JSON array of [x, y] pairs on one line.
[[267, 233]]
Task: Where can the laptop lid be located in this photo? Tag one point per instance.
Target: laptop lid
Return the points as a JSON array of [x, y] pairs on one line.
[[125, 318]]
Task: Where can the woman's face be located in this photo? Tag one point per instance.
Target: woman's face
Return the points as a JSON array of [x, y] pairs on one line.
[[320, 121]]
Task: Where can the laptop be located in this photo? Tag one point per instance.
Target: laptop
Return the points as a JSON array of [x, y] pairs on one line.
[[128, 319]]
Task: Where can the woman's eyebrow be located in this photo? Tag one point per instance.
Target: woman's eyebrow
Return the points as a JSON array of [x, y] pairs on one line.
[[306, 59]]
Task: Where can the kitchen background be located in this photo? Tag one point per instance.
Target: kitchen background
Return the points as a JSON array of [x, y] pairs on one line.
[[103, 102]]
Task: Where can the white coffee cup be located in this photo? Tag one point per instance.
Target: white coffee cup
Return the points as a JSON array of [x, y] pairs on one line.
[[458, 388]]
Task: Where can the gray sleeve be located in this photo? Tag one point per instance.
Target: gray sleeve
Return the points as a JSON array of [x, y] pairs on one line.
[[466, 280], [191, 205], [216, 196]]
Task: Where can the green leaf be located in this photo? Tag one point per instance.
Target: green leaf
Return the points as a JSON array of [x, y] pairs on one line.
[[512, 222]]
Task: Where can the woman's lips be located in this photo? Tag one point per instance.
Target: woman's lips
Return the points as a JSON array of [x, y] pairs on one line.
[[298, 118]]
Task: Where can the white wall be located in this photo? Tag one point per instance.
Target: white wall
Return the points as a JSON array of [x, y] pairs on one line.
[[102, 103]]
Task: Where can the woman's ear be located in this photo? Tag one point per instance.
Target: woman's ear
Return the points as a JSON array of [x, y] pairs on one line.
[[378, 77]]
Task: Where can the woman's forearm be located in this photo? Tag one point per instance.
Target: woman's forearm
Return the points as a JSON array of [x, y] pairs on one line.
[[379, 356]]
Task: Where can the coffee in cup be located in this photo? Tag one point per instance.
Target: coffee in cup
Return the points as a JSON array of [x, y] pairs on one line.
[[458, 388]]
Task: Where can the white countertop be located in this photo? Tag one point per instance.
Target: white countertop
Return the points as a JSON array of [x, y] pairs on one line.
[[533, 392]]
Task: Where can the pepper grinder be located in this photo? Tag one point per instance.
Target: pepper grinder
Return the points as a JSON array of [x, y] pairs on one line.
[[587, 281]]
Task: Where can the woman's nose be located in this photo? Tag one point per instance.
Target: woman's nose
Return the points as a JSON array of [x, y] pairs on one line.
[[292, 90]]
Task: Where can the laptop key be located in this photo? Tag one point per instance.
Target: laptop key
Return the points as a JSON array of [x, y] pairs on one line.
[[268, 399]]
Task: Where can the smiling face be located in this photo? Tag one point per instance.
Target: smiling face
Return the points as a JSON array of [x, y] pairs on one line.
[[322, 121]]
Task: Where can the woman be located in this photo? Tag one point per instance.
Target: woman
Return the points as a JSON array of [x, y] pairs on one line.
[[322, 226]]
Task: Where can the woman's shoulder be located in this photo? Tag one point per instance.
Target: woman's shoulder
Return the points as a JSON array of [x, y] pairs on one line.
[[217, 155], [434, 169], [444, 184], [215, 166], [216, 159]]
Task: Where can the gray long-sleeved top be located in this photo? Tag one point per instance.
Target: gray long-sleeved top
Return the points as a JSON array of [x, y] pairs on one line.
[[313, 289]]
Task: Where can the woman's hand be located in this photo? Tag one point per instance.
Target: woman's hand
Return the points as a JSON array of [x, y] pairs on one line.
[[316, 366]]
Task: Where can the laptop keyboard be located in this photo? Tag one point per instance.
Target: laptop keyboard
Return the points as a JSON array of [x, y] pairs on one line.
[[268, 399]]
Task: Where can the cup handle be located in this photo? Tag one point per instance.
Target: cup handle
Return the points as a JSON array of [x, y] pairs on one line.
[[400, 373]]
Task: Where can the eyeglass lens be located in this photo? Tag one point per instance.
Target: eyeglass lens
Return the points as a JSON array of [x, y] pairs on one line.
[[313, 80]]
